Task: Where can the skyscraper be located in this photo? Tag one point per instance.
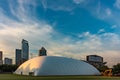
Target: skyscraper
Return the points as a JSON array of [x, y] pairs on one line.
[[42, 52], [1, 56], [25, 50], [18, 56]]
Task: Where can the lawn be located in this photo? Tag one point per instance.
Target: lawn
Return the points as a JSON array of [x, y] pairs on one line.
[[19, 77]]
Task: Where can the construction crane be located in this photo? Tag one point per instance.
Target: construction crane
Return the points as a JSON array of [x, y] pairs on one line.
[[107, 72]]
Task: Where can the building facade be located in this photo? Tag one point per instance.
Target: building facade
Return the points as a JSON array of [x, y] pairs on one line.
[[1, 57], [8, 61], [18, 56], [42, 52], [25, 50], [95, 60]]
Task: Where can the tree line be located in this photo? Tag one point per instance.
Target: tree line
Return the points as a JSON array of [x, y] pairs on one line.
[[115, 69], [8, 68], [11, 68]]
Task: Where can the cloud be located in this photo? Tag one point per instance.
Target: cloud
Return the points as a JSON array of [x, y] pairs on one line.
[[108, 11], [114, 26], [117, 4], [78, 1], [103, 13], [101, 31], [61, 5], [44, 4], [21, 9], [108, 14]]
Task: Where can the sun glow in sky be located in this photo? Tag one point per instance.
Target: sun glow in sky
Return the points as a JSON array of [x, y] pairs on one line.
[[70, 28]]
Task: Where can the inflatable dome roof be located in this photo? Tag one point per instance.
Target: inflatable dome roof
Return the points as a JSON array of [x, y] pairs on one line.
[[52, 65]]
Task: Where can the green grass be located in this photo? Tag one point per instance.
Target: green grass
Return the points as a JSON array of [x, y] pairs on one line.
[[19, 77]]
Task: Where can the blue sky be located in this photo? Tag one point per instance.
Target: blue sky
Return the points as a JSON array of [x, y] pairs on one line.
[[70, 28]]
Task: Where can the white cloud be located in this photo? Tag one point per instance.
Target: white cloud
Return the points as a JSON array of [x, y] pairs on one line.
[[102, 11], [114, 27], [117, 4], [44, 3], [59, 5], [21, 9], [98, 7], [108, 14], [108, 11], [111, 41], [78, 1], [101, 31]]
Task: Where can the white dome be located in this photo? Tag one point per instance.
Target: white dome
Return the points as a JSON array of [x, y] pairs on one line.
[[51, 65]]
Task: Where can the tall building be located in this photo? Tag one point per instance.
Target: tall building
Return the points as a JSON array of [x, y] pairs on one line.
[[25, 50], [8, 61], [42, 52], [18, 56], [1, 56]]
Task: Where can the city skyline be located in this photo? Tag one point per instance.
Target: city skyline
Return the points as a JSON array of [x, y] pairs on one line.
[[70, 28]]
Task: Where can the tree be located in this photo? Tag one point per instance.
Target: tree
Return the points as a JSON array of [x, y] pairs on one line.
[[116, 69], [8, 68], [103, 68]]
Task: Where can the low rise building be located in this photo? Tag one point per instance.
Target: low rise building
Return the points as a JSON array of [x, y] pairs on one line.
[[95, 60], [8, 61]]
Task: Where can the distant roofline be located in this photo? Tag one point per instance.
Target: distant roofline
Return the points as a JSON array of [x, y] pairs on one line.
[[24, 40], [94, 55]]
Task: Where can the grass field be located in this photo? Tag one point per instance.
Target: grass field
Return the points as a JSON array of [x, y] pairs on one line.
[[19, 77]]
